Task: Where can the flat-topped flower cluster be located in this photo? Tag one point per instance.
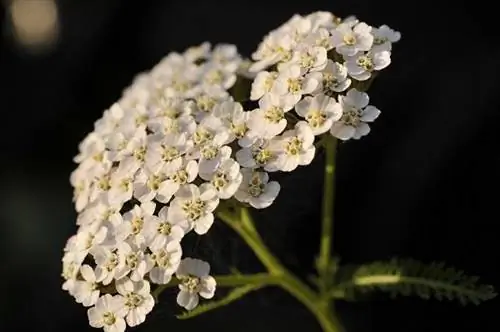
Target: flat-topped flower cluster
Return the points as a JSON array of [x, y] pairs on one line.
[[161, 159]]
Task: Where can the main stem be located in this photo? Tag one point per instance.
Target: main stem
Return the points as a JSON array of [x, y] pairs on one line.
[[324, 259]]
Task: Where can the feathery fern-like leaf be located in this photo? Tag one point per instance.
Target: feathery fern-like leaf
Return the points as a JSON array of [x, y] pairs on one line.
[[410, 277], [232, 296]]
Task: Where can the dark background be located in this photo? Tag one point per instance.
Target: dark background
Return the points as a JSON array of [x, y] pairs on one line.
[[422, 184]]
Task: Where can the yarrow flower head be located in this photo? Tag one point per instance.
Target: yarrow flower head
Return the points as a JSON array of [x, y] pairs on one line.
[[183, 138]]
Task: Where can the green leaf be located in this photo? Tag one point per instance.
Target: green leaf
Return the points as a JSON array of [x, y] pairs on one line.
[[410, 277], [232, 296]]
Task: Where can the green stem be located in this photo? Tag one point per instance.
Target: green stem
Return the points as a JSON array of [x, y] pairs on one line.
[[246, 230], [318, 306], [228, 281], [324, 259], [324, 314]]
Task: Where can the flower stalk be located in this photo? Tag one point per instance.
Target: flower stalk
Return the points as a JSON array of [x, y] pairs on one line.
[[278, 275], [324, 262]]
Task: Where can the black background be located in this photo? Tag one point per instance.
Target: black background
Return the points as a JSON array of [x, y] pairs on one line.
[[422, 184]]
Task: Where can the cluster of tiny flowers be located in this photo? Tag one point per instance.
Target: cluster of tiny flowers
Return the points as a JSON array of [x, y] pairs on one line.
[[177, 143], [317, 65]]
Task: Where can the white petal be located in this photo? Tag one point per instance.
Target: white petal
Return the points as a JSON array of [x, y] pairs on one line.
[[95, 318], [370, 113], [362, 130], [203, 224], [381, 60], [207, 192], [148, 207], [118, 326], [158, 276], [357, 98], [177, 232], [124, 286], [87, 273], [187, 300], [288, 163], [303, 106], [342, 131], [307, 157], [135, 317], [166, 190], [208, 289]]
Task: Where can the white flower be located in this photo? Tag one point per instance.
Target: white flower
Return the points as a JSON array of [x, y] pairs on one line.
[[108, 314], [149, 185], [195, 280], [133, 223], [86, 291], [90, 237], [256, 190], [101, 213], [136, 263], [93, 156], [292, 85], [361, 66], [135, 118], [356, 112], [219, 77], [258, 155], [234, 119], [295, 147], [167, 109], [121, 182], [136, 150], [160, 230], [80, 182], [119, 141], [309, 57], [165, 262], [109, 121], [109, 261], [226, 179], [212, 156], [277, 46], [72, 261], [320, 112], [226, 57], [194, 205], [210, 130], [243, 69], [198, 52], [138, 301], [171, 124], [384, 37], [206, 100], [320, 37], [321, 19], [165, 152], [269, 119], [100, 186], [186, 173], [262, 84], [349, 40], [332, 79]]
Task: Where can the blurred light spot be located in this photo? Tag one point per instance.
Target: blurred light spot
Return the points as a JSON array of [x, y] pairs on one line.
[[34, 22]]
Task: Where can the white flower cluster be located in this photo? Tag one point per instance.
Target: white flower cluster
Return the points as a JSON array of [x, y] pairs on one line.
[[318, 65], [160, 159]]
